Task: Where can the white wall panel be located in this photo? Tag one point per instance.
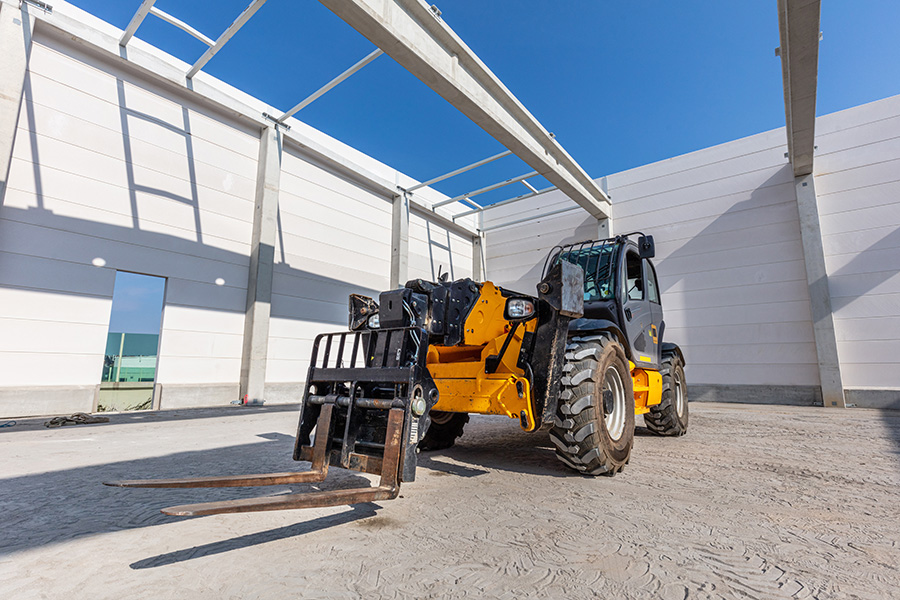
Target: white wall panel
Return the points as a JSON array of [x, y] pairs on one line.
[[113, 166], [109, 164], [434, 249], [858, 185], [106, 166], [334, 239], [729, 256]]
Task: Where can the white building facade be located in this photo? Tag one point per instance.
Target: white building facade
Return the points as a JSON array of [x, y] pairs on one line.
[[114, 166], [730, 259]]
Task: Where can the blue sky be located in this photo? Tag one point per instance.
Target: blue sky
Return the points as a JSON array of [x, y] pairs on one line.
[[137, 303], [620, 83]]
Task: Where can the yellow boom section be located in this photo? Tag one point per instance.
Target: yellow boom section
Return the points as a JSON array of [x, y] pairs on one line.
[[459, 371]]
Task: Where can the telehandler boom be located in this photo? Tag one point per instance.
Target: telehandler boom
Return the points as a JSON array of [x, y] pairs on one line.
[[578, 361]]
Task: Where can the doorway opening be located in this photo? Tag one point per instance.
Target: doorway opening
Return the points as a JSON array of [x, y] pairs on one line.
[[132, 344]]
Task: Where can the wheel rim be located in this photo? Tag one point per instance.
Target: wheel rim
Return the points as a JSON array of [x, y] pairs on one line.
[[679, 395], [615, 419], [440, 417]]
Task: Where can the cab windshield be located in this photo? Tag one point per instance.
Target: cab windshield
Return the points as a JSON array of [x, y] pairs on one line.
[[597, 262]]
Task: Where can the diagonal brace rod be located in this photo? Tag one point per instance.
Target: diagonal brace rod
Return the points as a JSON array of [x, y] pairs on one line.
[[181, 25], [226, 35], [136, 21], [331, 84]]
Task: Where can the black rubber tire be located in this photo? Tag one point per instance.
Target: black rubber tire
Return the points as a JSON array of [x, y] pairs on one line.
[[444, 429], [664, 418], [580, 434]]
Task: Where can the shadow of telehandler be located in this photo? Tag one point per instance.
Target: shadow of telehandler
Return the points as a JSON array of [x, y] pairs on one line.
[[47, 508]]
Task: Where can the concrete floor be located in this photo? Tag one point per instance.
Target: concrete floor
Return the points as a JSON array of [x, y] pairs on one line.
[[755, 502]]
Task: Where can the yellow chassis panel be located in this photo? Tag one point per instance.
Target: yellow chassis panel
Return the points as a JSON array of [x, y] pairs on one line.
[[647, 388], [459, 371]]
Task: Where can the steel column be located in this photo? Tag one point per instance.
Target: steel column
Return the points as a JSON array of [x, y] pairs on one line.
[[400, 240], [604, 225], [477, 258], [16, 27], [819, 293], [262, 267]]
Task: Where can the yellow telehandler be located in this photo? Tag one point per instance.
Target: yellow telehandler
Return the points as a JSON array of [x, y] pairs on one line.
[[577, 361]]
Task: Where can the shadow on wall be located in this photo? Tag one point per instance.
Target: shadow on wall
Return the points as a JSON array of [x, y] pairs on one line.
[[50, 508], [860, 265], [432, 242], [724, 235], [90, 239], [133, 187], [94, 240], [527, 282]]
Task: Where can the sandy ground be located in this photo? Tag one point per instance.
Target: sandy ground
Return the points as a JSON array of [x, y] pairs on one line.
[[755, 502]]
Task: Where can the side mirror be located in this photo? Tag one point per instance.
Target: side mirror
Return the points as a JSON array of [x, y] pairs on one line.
[[646, 247]]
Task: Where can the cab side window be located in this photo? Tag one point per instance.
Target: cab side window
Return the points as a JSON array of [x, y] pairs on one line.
[[634, 279], [652, 287]]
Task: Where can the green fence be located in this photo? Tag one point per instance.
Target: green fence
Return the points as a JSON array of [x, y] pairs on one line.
[[130, 357]]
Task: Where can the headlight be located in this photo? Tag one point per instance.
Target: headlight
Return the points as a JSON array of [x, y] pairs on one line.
[[519, 308], [373, 321]]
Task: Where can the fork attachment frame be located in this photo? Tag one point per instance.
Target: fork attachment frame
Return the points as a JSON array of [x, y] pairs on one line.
[[366, 405]]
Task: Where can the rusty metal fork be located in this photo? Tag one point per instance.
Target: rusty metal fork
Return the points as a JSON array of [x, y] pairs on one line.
[[318, 473], [388, 488]]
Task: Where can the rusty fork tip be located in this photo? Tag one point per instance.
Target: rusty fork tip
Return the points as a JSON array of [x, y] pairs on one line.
[[176, 513]]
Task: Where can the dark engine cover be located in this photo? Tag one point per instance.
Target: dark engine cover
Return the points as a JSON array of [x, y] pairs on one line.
[[441, 308]]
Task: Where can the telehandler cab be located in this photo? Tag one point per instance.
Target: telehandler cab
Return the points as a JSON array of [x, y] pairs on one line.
[[579, 360]]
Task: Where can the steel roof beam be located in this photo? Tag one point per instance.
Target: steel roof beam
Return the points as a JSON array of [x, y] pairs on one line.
[[415, 36], [181, 25], [460, 171], [798, 24], [488, 188], [481, 209]]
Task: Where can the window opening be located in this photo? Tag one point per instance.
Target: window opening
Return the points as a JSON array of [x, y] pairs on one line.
[[652, 288], [634, 281], [596, 262], [132, 343]]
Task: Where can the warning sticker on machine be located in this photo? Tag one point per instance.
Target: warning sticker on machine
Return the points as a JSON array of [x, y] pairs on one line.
[[414, 432]]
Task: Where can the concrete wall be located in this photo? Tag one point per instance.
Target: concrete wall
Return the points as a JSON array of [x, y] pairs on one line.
[[109, 170], [113, 170], [730, 261], [858, 186]]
